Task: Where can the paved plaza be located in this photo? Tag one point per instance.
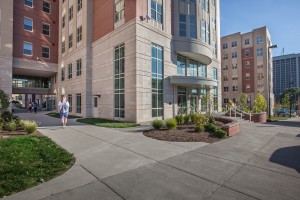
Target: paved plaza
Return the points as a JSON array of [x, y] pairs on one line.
[[260, 162]]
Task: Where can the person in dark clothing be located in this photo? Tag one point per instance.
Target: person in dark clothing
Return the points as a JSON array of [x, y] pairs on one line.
[[35, 106], [30, 106]]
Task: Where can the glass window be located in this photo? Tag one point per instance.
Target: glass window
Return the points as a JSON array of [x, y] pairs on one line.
[[79, 34], [213, 44], [225, 46], [181, 65], [247, 53], [70, 100], [46, 29], [95, 102], [78, 67], [70, 71], [62, 74], [182, 25], [193, 30], [46, 52], [259, 52], [234, 44], [28, 23], [259, 40], [247, 76], [70, 40], [181, 100], [203, 30], [27, 49], [234, 54], [215, 73], [70, 13], [205, 5], [157, 80], [63, 21], [204, 100], [119, 81], [28, 3], [46, 7], [193, 68], [63, 47], [119, 10], [157, 10], [78, 103], [203, 71], [247, 41], [79, 5], [215, 98]]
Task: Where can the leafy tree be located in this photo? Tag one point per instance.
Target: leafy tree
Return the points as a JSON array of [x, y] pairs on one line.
[[288, 95], [286, 100], [4, 101], [243, 101], [260, 103]]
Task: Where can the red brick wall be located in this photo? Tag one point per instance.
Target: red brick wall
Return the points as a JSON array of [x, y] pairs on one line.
[[36, 37], [249, 69], [103, 22]]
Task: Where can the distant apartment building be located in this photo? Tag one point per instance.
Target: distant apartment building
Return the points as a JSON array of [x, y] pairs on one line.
[[137, 60], [246, 62], [29, 49], [286, 72]]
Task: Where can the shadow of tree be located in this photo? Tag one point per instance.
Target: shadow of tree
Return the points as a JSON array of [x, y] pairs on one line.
[[287, 156]]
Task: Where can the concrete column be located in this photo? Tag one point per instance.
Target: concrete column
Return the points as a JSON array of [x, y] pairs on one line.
[[188, 100]]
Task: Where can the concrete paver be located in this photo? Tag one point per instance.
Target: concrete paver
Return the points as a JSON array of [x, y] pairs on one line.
[[260, 162]]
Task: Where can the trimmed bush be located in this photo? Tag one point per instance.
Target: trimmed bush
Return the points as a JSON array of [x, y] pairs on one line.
[[200, 119], [187, 119], [30, 126], [6, 116], [199, 128], [211, 120], [157, 124], [171, 123], [179, 119], [11, 126], [211, 128], [220, 133], [193, 116]]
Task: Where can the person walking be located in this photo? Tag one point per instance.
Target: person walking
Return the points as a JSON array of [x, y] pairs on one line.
[[30, 106], [35, 107], [64, 110]]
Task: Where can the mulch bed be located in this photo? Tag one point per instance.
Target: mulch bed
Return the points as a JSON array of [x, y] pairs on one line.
[[183, 133], [7, 134]]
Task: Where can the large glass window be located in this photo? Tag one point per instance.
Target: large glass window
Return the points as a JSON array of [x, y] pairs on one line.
[[46, 52], [70, 71], [79, 34], [46, 7], [70, 100], [70, 41], [182, 25], [46, 29], [78, 67], [119, 10], [259, 40], [28, 24], [119, 92], [157, 80], [203, 71], [27, 49], [205, 5], [215, 98], [28, 3], [181, 100], [62, 74], [181, 65], [259, 52], [215, 73], [78, 103], [30, 81], [193, 68], [204, 99], [79, 5], [157, 10], [193, 30], [70, 13]]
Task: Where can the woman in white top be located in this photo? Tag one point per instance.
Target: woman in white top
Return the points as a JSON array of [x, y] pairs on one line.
[[64, 111]]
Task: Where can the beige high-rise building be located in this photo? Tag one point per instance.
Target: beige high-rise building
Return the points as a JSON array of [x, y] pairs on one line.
[[137, 60], [247, 66]]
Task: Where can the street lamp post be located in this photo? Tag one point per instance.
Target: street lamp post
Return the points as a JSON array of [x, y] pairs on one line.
[[269, 79]]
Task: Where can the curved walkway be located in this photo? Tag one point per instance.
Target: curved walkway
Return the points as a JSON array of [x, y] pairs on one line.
[[261, 162]]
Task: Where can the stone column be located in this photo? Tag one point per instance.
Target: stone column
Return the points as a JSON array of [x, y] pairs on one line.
[[188, 100]]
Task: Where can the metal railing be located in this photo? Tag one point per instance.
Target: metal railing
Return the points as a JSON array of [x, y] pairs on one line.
[[240, 112]]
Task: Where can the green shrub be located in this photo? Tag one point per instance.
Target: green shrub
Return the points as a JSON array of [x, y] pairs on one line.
[[171, 123], [210, 128], [211, 120], [220, 133], [179, 119], [11, 126], [199, 128], [187, 119], [157, 124], [1, 126], [6, 116], [30, 126], [193, 116], [200, 119]]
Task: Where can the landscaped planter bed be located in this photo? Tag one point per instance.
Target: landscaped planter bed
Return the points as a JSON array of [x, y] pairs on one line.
[[183, 133]]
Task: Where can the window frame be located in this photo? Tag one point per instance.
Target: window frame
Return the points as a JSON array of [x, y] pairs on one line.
[[49, 3], [79, 67], [49, 53], [24, 48], [28, 5], [28, 25], [43, 23], [70, 71]]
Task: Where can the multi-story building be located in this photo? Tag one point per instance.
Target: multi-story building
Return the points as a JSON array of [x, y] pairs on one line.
[[246, 63], [286, 72], [136, 60], [28, 49]]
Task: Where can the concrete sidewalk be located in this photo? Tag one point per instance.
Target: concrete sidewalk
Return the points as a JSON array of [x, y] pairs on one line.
[[261, 162]]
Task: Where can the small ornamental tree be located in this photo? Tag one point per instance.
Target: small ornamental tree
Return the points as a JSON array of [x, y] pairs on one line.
[[243, 101], [4, 101], [260, 103]]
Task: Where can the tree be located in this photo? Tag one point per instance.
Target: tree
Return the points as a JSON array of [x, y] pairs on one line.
[[286, 100], [260, 103], [243, 101], [288, 95], [4, 101]]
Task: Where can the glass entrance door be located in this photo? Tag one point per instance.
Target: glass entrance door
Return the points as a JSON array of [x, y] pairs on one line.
[[194, 103]]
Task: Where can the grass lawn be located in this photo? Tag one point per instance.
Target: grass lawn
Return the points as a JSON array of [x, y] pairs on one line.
[[275, 118], [56, 115], [27, 161], [107, 123]]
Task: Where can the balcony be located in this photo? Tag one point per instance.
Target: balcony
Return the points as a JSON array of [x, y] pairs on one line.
[[191, 81]]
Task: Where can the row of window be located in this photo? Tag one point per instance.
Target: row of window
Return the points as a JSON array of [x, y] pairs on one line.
[[28, 50], [247, 64], [260, 76], [28, 26], [70, 70], [78, 103], [46, 5], [259, 40], [259, 53], [70, 39], [79, 7]]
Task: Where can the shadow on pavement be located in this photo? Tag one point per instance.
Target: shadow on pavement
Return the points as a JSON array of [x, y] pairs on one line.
[[287, 123], [287, 156]]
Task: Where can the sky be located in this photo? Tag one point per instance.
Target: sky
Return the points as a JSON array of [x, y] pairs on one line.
[[282, 18]]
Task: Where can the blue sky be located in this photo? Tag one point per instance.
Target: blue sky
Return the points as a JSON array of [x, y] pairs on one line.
[[282, 17]]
